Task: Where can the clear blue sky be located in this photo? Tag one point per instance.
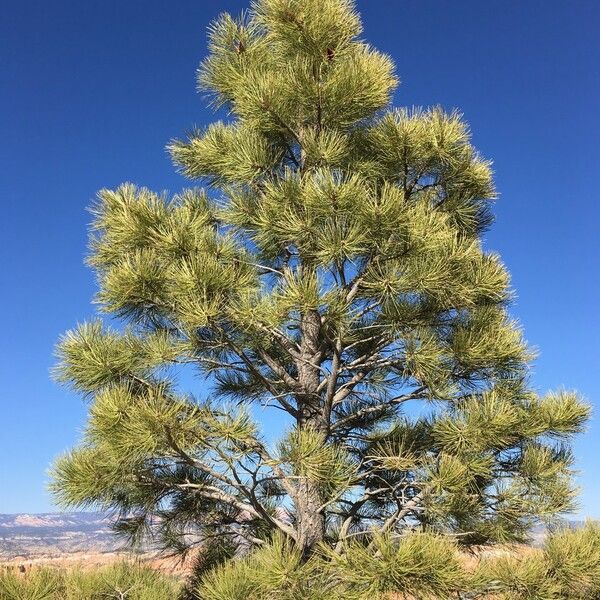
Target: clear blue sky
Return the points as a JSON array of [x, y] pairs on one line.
[[92, 91]]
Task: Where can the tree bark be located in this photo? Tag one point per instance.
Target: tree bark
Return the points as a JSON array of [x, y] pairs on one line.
[[310, 525], [311, 414]]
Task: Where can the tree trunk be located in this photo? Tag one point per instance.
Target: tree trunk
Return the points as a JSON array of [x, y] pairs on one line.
[[310, 524], [310, 520]]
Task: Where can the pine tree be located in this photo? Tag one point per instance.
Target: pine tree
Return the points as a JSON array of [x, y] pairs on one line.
[[332, 270]]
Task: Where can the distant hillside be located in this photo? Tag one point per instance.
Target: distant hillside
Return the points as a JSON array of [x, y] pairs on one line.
[[55, 534]]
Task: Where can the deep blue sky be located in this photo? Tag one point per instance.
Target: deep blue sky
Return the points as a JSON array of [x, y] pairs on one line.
[[92, 91]]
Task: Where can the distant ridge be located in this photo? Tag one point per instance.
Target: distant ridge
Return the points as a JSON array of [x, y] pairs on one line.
[[56, 534]]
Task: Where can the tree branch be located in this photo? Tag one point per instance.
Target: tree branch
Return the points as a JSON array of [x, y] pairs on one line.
[[364, 412]]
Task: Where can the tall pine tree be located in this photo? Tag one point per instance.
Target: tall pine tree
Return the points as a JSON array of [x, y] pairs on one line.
[[333, 271]]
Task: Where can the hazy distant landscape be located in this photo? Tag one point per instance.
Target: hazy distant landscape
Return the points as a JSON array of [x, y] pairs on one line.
[[58, 535], [50, 535]]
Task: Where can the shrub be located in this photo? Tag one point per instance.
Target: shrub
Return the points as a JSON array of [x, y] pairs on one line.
[[123, 581], [567, 568], [423, 566]]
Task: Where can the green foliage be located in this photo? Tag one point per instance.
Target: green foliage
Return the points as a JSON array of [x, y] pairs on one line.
[[306, 453], [419, 564], [43, 584], [117, 582], [423, 565], [567, 568], [275, 570], [333, 271]]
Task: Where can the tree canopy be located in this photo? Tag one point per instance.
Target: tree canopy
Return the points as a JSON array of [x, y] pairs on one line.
[[331, 269]]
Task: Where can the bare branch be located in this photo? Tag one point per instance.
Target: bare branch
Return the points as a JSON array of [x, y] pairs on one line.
[[364, 412], [405, 509]]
